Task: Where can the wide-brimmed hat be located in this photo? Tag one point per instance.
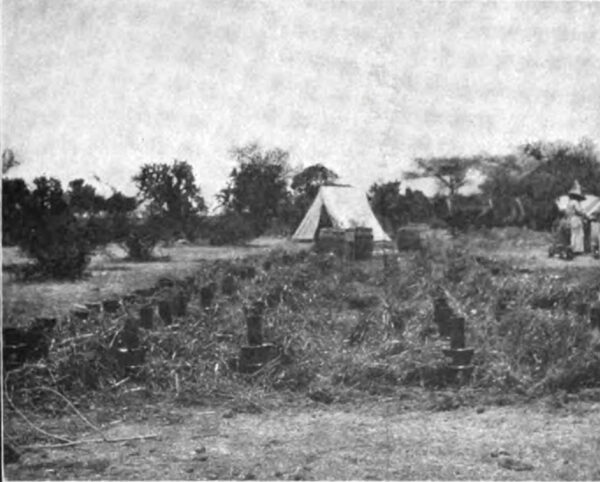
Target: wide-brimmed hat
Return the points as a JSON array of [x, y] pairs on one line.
[[575, 191]]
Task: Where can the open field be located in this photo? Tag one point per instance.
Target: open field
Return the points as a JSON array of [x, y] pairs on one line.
[[111, 274], [526, 248], [376, 441]]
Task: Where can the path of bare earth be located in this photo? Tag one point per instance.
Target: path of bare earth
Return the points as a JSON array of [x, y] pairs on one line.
[[375, 441]]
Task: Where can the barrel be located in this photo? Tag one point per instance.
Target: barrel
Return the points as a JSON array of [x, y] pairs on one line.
[[410, 237], [457, 333], [331, 240], [254, 316], [595, 316], [363, 243]]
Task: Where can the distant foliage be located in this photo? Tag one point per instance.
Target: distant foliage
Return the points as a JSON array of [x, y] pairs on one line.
[[257, 187], [141, 238], [83, 198], [394, 209], [15, 195], [533, 178], [418, 206], [52, 235], [172, 194], [118, 217], [308, 181], [59, 229], [104, 220], [464, 213], [386, 202], [305, 187], [229, 228], [519, 188], [451, 173], [8, 160]]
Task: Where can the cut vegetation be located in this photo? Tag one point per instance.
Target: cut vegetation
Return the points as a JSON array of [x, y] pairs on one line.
[[344, 331]]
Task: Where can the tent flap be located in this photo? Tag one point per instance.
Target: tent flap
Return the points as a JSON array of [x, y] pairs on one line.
[[347, 207], [590, 205]]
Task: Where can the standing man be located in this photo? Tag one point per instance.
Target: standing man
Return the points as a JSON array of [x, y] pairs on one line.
[[576, 216]]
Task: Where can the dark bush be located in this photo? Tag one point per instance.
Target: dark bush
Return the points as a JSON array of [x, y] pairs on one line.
[[60, 249], [101, 230], [141, 239], [14, 198], [58, 240], [229, 228]]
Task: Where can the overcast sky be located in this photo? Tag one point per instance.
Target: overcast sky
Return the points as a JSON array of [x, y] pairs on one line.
[[102, 86]]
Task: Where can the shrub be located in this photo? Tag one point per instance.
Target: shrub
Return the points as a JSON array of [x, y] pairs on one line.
[[229, 228], [141, 238], [61, 249], [59, 241], [101, 230], [14, 198], [194, 228]]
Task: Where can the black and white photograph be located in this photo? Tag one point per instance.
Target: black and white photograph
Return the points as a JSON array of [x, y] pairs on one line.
[[300, 240]]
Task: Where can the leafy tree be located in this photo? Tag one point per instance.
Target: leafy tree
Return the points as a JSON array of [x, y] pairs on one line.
[[305, 187], [15, 194], [564, 162], [529, 181], [119, 203], [501, 192], [83, 198], [141, 237], [48, 197], [387, 204], [418, 206], [308, 181], [394, 209], [451, 174], [8, 160], [172, 194], [116, 220], [229, 228], [52, 234], [257, 185]]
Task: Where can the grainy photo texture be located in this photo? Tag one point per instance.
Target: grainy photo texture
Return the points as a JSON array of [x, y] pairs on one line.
[[308, 240]]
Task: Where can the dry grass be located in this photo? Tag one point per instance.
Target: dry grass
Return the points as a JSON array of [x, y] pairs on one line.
[[349, 332], [347, 326]]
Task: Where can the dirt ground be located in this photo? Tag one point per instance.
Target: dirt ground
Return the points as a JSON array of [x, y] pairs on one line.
[[373, 441], [526, 248]]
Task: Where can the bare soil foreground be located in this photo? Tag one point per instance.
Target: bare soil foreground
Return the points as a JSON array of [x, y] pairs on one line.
[[371, 441]]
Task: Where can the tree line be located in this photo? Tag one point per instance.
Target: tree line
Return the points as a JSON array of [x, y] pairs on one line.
[[518, 189], [60, 228]]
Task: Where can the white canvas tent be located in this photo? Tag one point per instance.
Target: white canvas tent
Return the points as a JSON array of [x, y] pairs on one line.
[[347, 207], [590, 205]]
